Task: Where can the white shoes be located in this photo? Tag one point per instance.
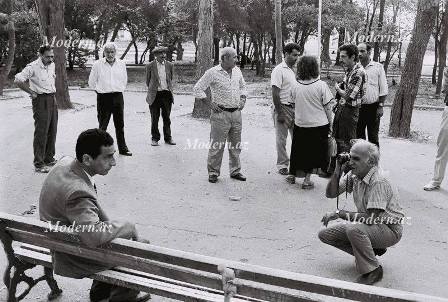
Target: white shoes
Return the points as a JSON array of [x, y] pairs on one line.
[[431, 186]]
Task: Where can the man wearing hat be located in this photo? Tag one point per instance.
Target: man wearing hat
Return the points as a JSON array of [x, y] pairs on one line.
[[159, 79]]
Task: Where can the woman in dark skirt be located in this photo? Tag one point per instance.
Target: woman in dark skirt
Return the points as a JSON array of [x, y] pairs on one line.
[[313, 119]]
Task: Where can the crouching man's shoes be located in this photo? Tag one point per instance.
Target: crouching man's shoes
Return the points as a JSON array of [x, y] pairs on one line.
[[170, 142], [42, 169], [372, 277], [212, 178], [126, 153], [238, 176]]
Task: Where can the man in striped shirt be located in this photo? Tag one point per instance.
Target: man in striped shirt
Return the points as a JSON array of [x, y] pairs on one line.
[[228, 90], [347, 112], [379, 217]]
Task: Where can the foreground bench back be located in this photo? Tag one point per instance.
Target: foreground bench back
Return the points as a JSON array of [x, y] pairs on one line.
[[216, 276]]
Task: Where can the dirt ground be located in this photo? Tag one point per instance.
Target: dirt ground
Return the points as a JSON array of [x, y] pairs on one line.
[[165, 191]]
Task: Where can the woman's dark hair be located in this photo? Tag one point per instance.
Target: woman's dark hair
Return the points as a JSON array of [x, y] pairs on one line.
[[307, 68], [90, 142]]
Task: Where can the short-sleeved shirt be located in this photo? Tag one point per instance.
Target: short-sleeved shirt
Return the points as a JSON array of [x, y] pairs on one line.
[[311, 97], [284, 78], [355, 85], [376, 82], [226, 89], [41, 77], [374, 191]]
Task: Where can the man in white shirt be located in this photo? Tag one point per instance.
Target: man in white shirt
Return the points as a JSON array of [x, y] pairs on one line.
[[41, 77], [159, 79], [108, 78], [376, 92], [283, 78], [228, 89]]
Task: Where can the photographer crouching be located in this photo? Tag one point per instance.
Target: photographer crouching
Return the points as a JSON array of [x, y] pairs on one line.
[[377, 224]]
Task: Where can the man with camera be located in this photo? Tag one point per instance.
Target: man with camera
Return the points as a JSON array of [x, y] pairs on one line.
[[377, 223]]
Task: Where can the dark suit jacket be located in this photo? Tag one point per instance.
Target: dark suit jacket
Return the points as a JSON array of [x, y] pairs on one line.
[[153, 81], [69, 197]]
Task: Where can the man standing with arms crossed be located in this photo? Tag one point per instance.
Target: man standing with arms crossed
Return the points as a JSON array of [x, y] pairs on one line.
[[41, 76], [442, 144], [228, 99], [376, 92], [283, 77], [108, 78]]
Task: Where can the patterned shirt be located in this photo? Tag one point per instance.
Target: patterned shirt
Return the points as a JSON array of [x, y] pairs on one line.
[[41, 77], [376, 84], [355, 87], [374, 191], [226, 89]]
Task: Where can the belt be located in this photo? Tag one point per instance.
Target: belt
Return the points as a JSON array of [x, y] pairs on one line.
[[46, 93], [228, 109], [292, 105]]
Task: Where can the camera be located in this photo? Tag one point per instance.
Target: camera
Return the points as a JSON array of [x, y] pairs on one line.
[[343, 157]]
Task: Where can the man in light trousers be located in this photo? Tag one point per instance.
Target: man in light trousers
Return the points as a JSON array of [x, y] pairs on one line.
[[442, 144], [228, 90]]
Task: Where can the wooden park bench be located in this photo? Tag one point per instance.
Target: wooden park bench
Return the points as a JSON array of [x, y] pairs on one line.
[[170, 273]]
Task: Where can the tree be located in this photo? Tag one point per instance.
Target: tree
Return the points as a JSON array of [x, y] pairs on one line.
[[376, 48], [442, 50], [400, 118], [7, 24], [51, 15], [205, 37], [278, 31]]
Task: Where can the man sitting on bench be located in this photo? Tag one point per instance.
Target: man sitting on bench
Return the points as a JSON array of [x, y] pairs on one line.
[[69, 197]]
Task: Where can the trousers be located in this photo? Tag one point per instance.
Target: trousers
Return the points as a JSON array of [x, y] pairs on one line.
[[112, 104], [162, 102], [369, 119], [442, 150], [225, 127], [281, 136], [360, 239], [45, 114]]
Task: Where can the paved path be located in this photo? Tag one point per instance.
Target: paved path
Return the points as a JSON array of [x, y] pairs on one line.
[[164, 190]]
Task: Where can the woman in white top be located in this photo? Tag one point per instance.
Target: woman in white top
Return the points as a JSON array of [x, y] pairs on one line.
[[313, 120]]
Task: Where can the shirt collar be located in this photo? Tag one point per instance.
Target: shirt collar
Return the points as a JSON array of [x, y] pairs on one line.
[[105, 61], [92, 181], [369, 175], [158, 63]]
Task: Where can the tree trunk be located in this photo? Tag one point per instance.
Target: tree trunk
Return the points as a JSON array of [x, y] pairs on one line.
[[115, 32], [195, 42], [127, 49], [442, 50], [389, 44], [51, 14], [400, 117], [136, 52], [11, 47], [205, 38], [243, 57], [216, 51], [179, 51], [436, 35], [341, 39], [238, 37], [325, 55], [278, 32], [376, 48], [375, 5]]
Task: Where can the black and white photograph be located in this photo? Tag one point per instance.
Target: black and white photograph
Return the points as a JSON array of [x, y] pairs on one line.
[[223, 150]]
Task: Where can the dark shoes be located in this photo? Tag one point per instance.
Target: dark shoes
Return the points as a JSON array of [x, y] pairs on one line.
[[238, 176], [170, 142], [212, 178], [283, 171], [43, 169], [126, 153], [372, 277], [379, 252]]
